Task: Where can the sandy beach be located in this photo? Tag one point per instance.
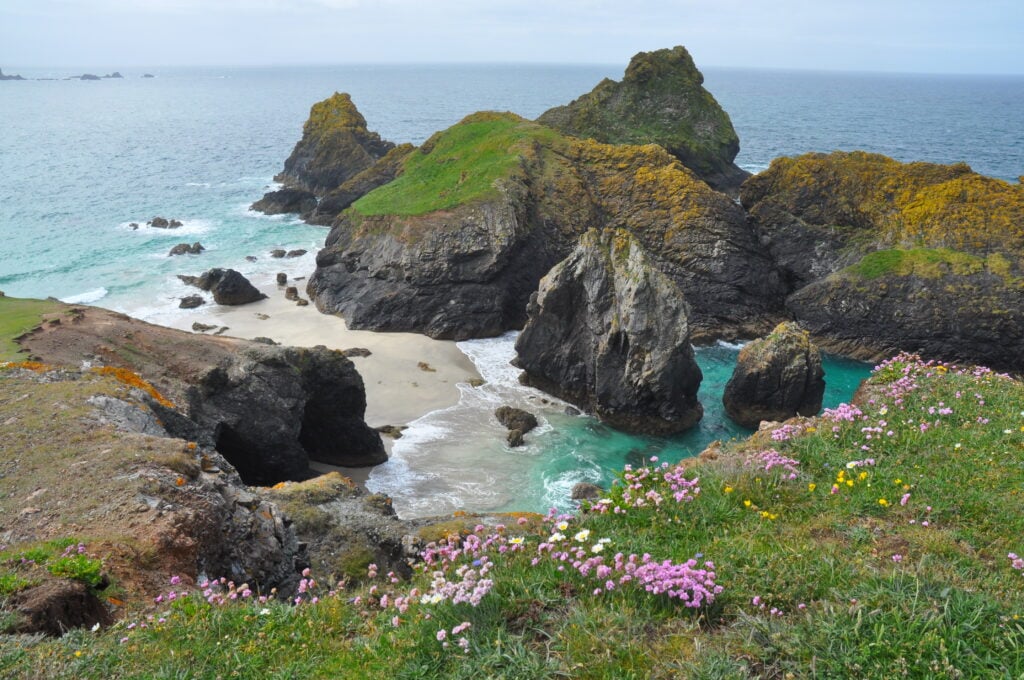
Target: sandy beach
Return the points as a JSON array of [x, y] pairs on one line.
[[406, 374]]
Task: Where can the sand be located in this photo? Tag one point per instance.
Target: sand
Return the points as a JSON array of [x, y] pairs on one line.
[[407, 375]]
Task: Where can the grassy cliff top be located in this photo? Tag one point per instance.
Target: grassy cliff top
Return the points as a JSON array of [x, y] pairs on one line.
[[457, 166], [904, 204], [18, 316], [809, 550]]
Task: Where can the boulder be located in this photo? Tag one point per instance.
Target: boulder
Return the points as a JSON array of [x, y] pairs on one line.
[[282, 278], [287, 200], [515, 438], [186, 249], [191, 302], [515, 418], [776, 378], [585, 491], [228, 286], [291, 293], [660, 100], [298, 252], [456, 255], [164, 223], [609, 332], [278, 253]]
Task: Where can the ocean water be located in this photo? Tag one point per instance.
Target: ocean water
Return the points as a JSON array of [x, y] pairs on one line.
[[79, 161]]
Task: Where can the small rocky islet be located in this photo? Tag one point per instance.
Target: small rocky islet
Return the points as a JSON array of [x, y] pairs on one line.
[[869, 255]]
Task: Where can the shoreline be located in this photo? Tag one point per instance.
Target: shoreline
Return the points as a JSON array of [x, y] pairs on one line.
[[406, 375]]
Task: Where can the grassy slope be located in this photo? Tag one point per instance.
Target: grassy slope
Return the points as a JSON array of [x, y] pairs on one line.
[[902, 570], [18, 315], [456, 166]]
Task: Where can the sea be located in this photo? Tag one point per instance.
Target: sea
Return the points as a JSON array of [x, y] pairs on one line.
[[80, 161]]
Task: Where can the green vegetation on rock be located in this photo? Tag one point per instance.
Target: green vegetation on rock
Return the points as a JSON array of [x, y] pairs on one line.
[[18, 316]]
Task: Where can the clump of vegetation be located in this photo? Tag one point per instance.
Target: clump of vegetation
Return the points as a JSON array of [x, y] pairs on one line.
[[881, 537], [18, 316], [65, 557]]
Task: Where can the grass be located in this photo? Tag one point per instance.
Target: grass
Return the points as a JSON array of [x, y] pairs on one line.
[[456, 166], [17, 316], [871, 542]]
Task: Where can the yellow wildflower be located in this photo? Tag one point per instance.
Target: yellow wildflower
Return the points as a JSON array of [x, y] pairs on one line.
[[812, 486], [746, 503], [728, 489], [884, 503]]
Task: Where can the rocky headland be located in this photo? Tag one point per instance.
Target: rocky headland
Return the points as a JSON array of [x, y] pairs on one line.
[[9, 76]]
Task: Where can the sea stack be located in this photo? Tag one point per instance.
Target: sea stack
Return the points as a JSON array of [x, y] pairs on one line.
[[660, 100], [776, 377], [609, 332]]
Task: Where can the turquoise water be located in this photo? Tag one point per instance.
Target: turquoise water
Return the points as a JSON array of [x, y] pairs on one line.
[[80, 160]]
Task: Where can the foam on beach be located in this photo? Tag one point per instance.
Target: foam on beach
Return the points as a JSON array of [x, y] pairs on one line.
[[86, 298]]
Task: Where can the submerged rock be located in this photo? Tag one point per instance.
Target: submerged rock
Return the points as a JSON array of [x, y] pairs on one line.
[[515, 418], [228, 286], [659, 100], [186, 249], [287, 200], [163, 223], [609, 332], [191, 302], [776, 378]]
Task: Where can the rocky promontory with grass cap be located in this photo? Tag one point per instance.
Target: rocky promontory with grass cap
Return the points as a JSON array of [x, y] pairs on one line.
[[882, 256], [456, 244], [609, 332], [660, 100]]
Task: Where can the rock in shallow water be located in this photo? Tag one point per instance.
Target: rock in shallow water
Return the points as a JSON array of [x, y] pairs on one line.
[[776, 378], [609, 332], [228, 286]]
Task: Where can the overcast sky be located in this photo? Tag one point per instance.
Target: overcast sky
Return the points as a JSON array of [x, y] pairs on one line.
[[931, 36]]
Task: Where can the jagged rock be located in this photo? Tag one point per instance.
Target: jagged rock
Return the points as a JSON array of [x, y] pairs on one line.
[[272, 409], [298, 252], [228, 286], [585, 491], [278, 253], [191, 302], [393, 431], [609, 332], [164, 223], [356, 352], [776, 378], [880, 256], [335, 146], [659, 100], [515, 418], [202, 327], [515, 438], [265, 341], [251, 258], [287, 200], [282, 278], [186, 249], [457, 256]]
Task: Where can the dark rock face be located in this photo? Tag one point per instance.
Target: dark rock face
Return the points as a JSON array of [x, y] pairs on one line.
[[115, 74], [335, 146], [298, 252], [660, 100], [609, 332], [282, 278], [380, 173], [776, 378], [9, 77], [191, 302], [228, 286], [186, 249], [287, 200], [272, 409], [163, 223]]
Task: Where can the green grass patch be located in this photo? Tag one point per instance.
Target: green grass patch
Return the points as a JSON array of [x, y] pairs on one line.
[[924, 262], [457, 166], [17, 316]]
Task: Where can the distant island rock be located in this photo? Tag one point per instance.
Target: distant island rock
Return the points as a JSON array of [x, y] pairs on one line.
[[85, 76], [609, 332], [148, 75], [776, 378], [660, 100], [115, 74], [9, 77]]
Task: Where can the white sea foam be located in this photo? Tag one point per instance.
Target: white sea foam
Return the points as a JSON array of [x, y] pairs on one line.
[[730, 345], [187, 228], [86, 298]]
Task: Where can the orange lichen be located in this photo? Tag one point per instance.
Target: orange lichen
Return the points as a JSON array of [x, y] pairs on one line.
[[133, 379], [28, 366]]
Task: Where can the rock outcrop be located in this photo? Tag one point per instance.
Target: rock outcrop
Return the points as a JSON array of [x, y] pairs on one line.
[[517, 421], [776, 378], [9, 77], [455, 245], [881, 256], [609, 332], [268, 409], [660, 100], [186, 249], [286, 200], [163, 223], [228, 286]]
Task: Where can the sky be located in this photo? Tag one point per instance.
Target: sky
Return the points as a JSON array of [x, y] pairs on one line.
[[912, 36]]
